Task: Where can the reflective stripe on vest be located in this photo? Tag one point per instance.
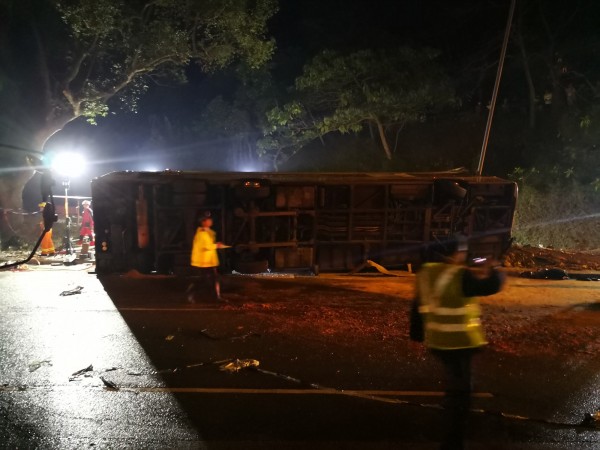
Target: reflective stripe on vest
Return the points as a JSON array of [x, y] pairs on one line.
[[471, 308], [452, 321], [454, 327]]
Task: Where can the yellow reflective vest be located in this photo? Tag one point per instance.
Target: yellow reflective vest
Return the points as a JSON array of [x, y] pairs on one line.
[[204, 248], [452, 321]]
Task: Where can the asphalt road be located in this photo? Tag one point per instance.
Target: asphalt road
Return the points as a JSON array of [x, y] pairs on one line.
[[126, 362]]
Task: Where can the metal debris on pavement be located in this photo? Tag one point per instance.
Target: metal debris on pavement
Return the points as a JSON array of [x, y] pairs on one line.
[[73, 291], [238, 364], [381, 269], [109, 384], [82, 371], [264, 274], [205, 333], [35, 365], [244, 336], [190, 366]]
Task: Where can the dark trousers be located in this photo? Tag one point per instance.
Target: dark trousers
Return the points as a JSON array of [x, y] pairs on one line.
[[207, 276], [457, 401]]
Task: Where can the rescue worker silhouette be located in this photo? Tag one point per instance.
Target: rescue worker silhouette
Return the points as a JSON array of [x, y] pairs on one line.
[[447, 293], [47, 245], [87, 222], [204, 259]]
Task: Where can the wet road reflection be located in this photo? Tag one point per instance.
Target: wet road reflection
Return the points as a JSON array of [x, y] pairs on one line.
[[46, 339]]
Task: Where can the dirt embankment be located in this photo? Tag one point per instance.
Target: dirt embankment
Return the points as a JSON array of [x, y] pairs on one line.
[[532, 258]]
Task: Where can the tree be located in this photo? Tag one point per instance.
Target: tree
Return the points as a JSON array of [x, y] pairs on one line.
[[233, 119], [69, 59], [384, 90], [542, 36]]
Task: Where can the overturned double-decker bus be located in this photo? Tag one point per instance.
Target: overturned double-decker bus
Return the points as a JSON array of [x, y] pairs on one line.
[[290, 221]]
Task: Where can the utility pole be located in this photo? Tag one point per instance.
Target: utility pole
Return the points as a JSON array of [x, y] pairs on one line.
[[488, 126]]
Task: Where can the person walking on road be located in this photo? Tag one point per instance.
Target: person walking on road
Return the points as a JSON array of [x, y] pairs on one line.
[[447, 293], [87, 222], [204, 258]]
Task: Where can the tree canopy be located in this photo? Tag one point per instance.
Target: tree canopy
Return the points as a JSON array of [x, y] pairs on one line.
[[87, 53], [381, 89]]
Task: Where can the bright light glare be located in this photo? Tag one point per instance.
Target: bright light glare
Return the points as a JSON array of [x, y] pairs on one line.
[[248, 168], [68, 164]]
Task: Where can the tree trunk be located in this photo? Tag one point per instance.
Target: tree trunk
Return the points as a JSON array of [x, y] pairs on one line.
[[18, 170], [19, 166], [384, 142]]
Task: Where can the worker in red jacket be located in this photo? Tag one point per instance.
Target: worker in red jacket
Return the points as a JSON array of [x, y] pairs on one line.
[[87, 222]]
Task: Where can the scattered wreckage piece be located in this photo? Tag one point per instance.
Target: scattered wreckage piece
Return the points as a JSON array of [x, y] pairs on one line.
[[76, 290], [559, 274], [109, 384], [546, 274], [82, 371], [238, 364]]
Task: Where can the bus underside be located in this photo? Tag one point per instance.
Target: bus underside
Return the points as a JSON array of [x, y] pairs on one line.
[[291, 221]]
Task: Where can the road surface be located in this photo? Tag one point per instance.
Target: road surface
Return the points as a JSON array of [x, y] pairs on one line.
[[124, 361]]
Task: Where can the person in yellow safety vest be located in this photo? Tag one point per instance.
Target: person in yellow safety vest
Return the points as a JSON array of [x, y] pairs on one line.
[[204, 259], [47, 245], [447, 293]]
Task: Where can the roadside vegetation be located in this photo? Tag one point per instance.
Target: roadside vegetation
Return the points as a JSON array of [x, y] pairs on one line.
[[559, 198], [557, 212]]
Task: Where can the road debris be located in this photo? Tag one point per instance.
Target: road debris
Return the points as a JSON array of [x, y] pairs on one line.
[[109, 384], [204, 332], [381, 269], [35, 365], [265, 274], [189, 366], [244, 336], [238, 364], [170, 337], [558, 274], [546, 274], [82, 371], [591, 420], [73, 291]]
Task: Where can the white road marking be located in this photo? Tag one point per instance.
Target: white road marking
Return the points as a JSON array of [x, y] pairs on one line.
[[303, 392], [251, 391]]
